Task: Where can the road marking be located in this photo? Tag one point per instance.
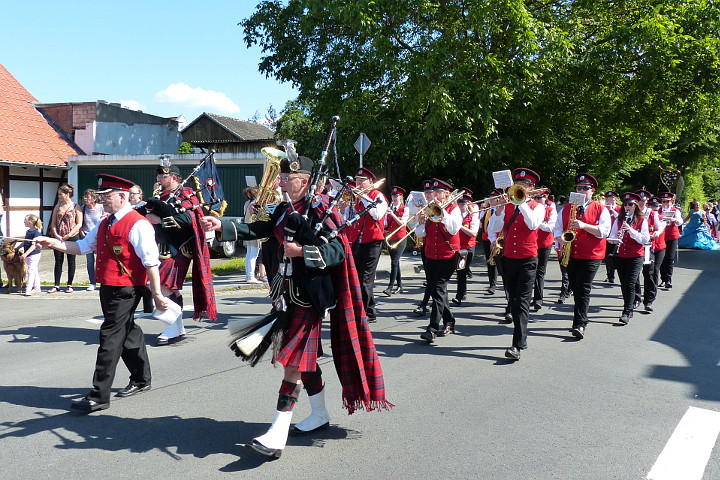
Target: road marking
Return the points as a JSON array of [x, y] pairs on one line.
[[688, 450]]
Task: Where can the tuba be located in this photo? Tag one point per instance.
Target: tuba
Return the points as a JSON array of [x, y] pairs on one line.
[[266, 193]]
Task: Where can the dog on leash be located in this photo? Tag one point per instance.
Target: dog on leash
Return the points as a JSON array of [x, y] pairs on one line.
[[15, 267]]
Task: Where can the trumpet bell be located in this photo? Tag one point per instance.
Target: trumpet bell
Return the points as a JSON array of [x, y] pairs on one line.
[[517, 194], [273, 154], [434, 212]]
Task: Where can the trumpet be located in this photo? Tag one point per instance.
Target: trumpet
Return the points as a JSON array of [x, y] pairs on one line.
[[435, 212], [516, 194], [362, 192]]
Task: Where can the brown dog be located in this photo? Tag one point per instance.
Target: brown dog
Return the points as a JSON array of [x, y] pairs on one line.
[[15, 267]]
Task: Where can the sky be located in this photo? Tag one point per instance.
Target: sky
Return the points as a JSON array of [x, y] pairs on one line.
[[164, 58]]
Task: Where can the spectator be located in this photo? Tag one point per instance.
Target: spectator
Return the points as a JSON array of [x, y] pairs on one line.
[[31, 254], [92, 213], [252, 246], [65, 224]]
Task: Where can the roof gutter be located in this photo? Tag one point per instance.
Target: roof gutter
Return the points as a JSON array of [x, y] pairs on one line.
[[31, 165]]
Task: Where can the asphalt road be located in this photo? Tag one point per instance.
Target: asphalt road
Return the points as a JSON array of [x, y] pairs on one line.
[[601, 408]]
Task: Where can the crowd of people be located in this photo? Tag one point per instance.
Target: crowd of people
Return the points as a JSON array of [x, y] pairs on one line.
[[319, 251]]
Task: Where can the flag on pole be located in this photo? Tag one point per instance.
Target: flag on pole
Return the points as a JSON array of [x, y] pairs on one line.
[[208, 186]]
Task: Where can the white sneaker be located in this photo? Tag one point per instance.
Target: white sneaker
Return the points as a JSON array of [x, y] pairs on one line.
[[255, 281], [91, 288]]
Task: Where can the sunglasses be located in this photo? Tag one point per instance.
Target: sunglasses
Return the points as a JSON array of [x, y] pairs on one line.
[[583, 188]]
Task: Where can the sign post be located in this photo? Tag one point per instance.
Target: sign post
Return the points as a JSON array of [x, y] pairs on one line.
[[361, 145]]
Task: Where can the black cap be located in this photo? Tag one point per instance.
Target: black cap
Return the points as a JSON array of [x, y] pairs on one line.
[[301, 165]]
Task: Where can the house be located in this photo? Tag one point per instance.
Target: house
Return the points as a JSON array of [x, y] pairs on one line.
[[238, 156], [33, 157]]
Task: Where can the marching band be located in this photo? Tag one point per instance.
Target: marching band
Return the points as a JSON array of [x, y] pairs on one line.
[[327, 236]]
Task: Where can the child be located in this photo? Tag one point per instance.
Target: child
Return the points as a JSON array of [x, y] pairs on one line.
[[31, 255]]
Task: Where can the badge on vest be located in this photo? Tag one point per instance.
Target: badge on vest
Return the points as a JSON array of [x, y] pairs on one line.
[[117, 249]]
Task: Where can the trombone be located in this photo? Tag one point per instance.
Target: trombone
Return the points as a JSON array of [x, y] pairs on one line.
[[516, 194], [435, 212]]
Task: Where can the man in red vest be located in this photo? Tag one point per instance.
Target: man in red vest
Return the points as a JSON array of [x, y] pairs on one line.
[[591, 227], [546, 240], [519, 225], [673, 218], [127, 260], [441, 242], [468, 239], [371, 234]]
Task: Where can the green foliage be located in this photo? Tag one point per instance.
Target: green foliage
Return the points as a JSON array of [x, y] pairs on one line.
[[461, 88], [185, 147]]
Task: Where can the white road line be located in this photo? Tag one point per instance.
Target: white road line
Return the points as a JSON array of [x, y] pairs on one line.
[[688, 450]]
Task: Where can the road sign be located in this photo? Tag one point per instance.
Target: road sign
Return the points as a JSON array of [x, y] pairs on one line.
[[362, 144]]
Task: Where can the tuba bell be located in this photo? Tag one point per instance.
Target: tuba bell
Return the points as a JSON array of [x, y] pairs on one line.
[[266, 193]]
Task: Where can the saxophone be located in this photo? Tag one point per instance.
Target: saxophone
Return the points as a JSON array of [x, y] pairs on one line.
[[568, 237], [497, 249]]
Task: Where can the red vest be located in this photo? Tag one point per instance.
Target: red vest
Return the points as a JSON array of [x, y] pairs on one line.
[[520, 241], [107, 268], [439, 244], [393, 224], [672, 231], [586, 246], [658, 244], [467, 241], [372, 230], [629, 248], [545, 239]]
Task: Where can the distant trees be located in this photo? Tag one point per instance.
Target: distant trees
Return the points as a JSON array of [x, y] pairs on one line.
[[460, 88]]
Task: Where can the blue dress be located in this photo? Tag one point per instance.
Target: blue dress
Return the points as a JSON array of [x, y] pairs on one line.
[[697, 235]]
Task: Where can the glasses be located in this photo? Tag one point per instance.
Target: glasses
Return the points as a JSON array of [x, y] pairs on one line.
[[134, 193], [583, 188], [285, 178], [105, 195]]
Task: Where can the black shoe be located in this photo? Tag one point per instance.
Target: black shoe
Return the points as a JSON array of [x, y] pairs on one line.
[[490, 291], [372, 319], [424, 284], [469, 274], [668, 285], [464, 297], [609, 280], [387, 292], [513, 353], [508, 317], [262, 449], [578, 332], [132, 389], [456, 301], [624, 318], [397, 290], [420, 311], [536, 306], [636, 304], [87, 405], [562, 298], [429, 335], [648, 307], [661, 285]]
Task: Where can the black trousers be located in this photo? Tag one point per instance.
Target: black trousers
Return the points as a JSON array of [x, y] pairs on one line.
[[610, 262], [519, 280], [666, 269], [651, 276], [543, 257], [491, 269], [462, 275], [426, 292], [367, 256], [120, 337], [59, 260], [628, 270], [395, 256], [581, 273], [438, 274]]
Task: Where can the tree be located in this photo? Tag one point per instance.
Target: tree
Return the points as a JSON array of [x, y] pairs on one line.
[[185, 147], [460, 88]]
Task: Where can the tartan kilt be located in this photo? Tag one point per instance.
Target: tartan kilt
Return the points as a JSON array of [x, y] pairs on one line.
[[173, 271], [301, 345]]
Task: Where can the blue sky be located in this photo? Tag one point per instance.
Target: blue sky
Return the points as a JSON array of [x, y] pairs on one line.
[[164, 58]]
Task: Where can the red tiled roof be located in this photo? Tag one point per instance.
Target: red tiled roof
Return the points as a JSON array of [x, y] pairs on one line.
[[25, 135]]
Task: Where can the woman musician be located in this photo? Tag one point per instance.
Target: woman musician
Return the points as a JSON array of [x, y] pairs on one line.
[[632, 233], [468, 238], [397, 217]]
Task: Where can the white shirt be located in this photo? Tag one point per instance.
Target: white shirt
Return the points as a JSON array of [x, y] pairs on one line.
[[380, 209], [141, 237], [533, 217], [641, 236], [604, 222], [452, 222], [550, 224]]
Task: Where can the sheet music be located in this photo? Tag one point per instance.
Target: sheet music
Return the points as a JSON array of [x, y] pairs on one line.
[[502, 179], [415, 201]]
